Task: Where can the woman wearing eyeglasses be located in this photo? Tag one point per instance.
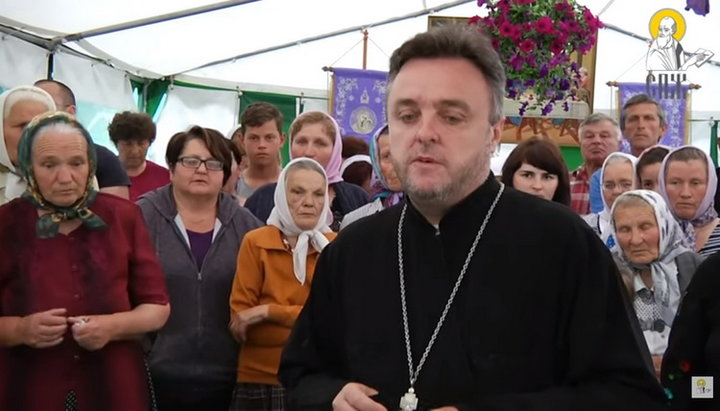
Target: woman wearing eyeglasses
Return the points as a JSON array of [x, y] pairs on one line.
[[617, 176], [197, 230]]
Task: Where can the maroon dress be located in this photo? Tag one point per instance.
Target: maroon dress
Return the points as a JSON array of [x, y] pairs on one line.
[[88, 272]]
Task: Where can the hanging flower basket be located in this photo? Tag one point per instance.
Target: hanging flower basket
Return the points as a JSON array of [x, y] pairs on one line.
[[535, 39]]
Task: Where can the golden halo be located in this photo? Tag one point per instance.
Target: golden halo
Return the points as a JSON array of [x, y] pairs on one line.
[[675, 15]]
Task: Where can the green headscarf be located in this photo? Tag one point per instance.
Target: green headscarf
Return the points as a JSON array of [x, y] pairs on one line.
[[49, 224]]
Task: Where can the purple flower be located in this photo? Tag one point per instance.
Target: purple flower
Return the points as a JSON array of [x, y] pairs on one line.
[[523, 108], [558, 59], [564, 84], [547, 109], [512, 93], [529, 83], [543, 71], [480, 3], [516, 62], [566, 106]]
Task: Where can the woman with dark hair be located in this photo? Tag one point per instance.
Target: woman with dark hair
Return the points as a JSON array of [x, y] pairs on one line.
[[536, 167], [79, 282], [197, 230], [358, 170], [648, 166]]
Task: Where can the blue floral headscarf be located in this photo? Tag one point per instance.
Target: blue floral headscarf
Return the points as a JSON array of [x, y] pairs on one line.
[[49, 224]]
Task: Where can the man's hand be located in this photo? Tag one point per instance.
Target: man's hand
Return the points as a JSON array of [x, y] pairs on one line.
[[356, 397], [91, 333], [242, 320], [44, 329]]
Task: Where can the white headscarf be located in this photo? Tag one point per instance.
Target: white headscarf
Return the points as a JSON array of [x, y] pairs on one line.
[[663, 269], [14, 184], [604, 216], [281, 218], [357, 158]]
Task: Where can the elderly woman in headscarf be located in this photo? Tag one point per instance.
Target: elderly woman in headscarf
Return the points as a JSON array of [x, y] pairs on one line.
[[17, 107], [275, 269], [79, 282], [650, 244], [617, 176], [688, 182], [387, 187], [316, 135]]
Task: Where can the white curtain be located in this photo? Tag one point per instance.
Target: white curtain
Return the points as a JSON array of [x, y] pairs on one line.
[[20, 62], [185, 107], [100, 92]]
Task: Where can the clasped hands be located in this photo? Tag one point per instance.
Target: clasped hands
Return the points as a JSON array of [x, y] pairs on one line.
[[47, 329]]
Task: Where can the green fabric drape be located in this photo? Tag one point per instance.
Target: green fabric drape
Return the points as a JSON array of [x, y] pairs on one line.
[[573, 157], [287, 106], [155, 97]]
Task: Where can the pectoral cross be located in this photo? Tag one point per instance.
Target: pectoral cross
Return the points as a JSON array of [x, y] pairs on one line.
[[409, 401]]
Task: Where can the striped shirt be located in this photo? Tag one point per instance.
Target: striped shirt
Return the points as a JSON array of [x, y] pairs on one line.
[[712, 245]]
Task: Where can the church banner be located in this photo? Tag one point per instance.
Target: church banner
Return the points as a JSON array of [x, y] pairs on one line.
[[674, 98], [358, 102]]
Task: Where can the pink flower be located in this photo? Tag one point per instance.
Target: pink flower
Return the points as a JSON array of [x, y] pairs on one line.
[[563, 7], [509, 30], [526, 46], [544, 25], [557, 46], [592, 21], [523, 2], [572, 26]]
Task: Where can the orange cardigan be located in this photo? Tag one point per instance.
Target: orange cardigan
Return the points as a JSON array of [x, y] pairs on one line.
[[265, 275]]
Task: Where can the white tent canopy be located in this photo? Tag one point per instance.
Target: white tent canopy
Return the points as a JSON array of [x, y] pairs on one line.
[[281, 46]]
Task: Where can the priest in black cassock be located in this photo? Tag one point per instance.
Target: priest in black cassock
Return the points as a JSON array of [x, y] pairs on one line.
[[469, 295]]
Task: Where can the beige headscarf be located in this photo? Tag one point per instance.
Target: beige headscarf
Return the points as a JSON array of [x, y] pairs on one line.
[[12, 184]]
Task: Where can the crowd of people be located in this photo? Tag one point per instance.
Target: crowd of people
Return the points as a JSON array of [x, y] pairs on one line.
[[394, 273]]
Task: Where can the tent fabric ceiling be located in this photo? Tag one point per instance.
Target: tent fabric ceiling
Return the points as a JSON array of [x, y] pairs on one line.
[[178, 47], [175, 46]]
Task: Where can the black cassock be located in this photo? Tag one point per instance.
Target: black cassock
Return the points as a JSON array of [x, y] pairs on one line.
[[539, 322]]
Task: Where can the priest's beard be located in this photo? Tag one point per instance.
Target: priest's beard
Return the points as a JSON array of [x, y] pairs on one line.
[[469, 176]]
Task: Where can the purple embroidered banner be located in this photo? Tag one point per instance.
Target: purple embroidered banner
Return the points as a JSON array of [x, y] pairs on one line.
[[673, 105], [359, 101]]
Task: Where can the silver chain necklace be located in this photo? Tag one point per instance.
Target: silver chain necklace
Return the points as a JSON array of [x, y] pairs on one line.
[[409, 401]]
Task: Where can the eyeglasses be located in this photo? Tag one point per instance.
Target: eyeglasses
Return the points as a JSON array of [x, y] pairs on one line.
[[194, 162]]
